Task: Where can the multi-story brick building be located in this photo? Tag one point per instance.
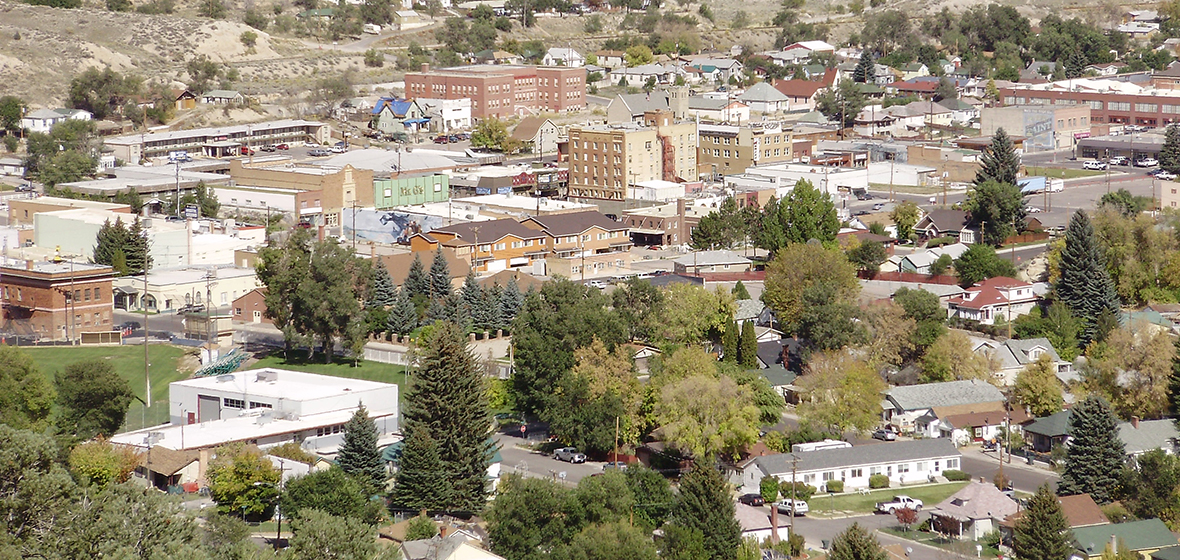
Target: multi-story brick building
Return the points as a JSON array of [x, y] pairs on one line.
[[40, 297], [729, 149], [605, 159], [497, 244], [1044, 127], [1110, 102], [503, 90]]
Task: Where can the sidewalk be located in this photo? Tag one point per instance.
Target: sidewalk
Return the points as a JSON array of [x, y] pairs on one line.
[[1018, 462]]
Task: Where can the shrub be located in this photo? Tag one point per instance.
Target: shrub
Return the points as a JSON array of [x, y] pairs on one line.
[[802, 491], [248, 38], [11, 143], [940, 241], [835, 486], [878, 481], [374, 59], [955, 476]]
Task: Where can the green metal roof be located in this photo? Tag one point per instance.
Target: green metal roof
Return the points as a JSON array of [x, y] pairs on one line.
[[1056, 425], [1145, 534]]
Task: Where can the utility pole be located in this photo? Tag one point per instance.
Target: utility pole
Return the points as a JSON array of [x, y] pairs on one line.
[[147, 378], [794, 470]]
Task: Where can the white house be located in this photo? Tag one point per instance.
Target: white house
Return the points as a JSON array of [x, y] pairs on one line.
[[447, 114], [561, 56], [917, 408], [42, 120], [718, 109], [974, 511], [762, 97], [12, 166], [1013, 355], [221, 97], [639, 75], [994, 297], [797, 53], [721, 69], [902, 461]]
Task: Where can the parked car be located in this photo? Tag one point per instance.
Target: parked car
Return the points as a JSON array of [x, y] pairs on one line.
[[615, 465], [441, 139], [130, 326], [1119, 160], [267, 148], [318, 152], [597, 284], [1031, 209], [25, 187], [339, 148], [569, 455], [1095, 165], [785, 506], [1165, 175], [884, 435], [751, 499], [878, 207], [899, 502], [283, 147], [247, 150], [1147, 162]]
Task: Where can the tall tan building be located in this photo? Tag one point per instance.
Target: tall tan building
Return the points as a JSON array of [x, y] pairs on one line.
[[605, 159], [729, 149]]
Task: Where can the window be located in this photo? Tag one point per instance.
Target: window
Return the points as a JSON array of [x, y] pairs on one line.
[[952, 464], [1146, 107], [1097, 105], [856, 473], [829, 475], [500, 246], [233, 403], [874, 470], [256, 404], [903, 468], [485, 248], [517, 244], [921, 466], [1119, 106], [936, 466]]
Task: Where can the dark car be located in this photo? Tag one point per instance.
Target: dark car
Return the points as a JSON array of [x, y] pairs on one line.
[[752, 499], [130, 326]]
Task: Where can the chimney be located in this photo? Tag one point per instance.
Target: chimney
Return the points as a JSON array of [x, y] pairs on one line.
[[425, 66], [442, 531], [1135, 422], [28, 264]]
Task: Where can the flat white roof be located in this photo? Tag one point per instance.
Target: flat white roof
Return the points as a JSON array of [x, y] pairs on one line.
[[184, 276], [285, 384], [259, 423], [524, 202], [253, 128]]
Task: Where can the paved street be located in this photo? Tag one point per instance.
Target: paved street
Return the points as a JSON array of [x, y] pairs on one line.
[[1024, 478], [530, 464]]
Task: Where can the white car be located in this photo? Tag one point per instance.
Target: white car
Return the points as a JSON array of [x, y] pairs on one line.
[[1031, 209], [784, 506], [1095, 165], [1147, 162], [1165, 175]]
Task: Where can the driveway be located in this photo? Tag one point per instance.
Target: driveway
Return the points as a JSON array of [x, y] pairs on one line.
[[532, 464]]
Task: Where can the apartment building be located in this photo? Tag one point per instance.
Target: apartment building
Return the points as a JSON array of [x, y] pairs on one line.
[[729, 149], [1170, 195], [667, 224], [583, 243], [1110, 101], [605, 159], [41, 297], [500, 244], [502, 91]]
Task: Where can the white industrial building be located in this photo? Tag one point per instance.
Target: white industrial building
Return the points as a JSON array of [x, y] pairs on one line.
[[268, 407], [169, 290], [656, 190]]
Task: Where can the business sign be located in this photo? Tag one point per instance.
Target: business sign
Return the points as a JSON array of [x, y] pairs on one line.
[[388, 227], [757, 149], [1080, 135], [192, 211]]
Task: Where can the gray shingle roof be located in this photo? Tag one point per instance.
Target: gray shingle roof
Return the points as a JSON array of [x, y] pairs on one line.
[[707, 258], [1151, 434], [747, 309], [1015, 353], [1137, 535], [977, 500], [640, 103], [859, 455], [764, 92], [950, 393]]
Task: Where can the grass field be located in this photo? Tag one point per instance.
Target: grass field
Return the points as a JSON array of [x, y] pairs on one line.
[[371, 371], [1062, 173], [128, 362], [864, 503]]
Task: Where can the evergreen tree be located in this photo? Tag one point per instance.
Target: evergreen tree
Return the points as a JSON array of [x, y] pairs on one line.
[[705, 505], [729, 342], [384, 292], [447, 399], [1174, 384], [510, 301], [1075, 64], [739, 291], [1095, 456], [417, 282], [440, 276], [490, 313], [403, 316], [421, 481], [1042, 533], [122, 247], [436, 311], [138, 248], [1170, 152], [1000, 162], [359, 455], [748, 347], [865, 71], [1085, 285], [856, 543], [472, 296]]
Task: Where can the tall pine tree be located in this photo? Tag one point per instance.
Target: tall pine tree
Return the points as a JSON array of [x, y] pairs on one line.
[[491, 315], [472, 296], [999, 162], [748, 347], [705, 505], [421, 482], [729, 343], [448, 400], [359, 455], [1174, 384], [1085, 285], [417, 282], [383, 292], [511, 301], [403, 316], [1095, 456], [1042, 532], [440, 276], [1170, 152], [865, 71], [856, 543]]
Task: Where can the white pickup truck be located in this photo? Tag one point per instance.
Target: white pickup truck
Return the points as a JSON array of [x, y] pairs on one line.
[[899, 502]]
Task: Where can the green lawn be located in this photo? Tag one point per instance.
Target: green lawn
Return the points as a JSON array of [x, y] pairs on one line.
[[864, 503], [128, 362], [961, 547], [371, 371], [1063, 173]]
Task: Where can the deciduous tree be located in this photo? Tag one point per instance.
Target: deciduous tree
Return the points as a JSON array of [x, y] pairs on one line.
[[808, 213], [1038, 388], [698, 313], [243, 482], [99, 463], [1095, 455], [998, 206], [950, 358], [856, 543], [320, 535], [905, 215], [26, 398], [838, 393], [92, 400], [707, 416], [841, 103], [980, 262], [1134, 370], [800, 266], [331, 491]]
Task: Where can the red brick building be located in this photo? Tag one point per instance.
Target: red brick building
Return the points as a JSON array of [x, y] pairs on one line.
[[1155, 108], [501, 90], [39, 298], [250, 307]]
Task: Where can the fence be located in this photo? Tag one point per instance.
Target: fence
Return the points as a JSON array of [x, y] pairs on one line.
[[911, 277], [1026, 238]]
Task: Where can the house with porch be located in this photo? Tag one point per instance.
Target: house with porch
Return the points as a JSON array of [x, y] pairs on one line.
[[391, 115], [974, 511], [993, 298], [903, 462], [1013, 355], [978, 427], [942, 223], [917, 408]]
